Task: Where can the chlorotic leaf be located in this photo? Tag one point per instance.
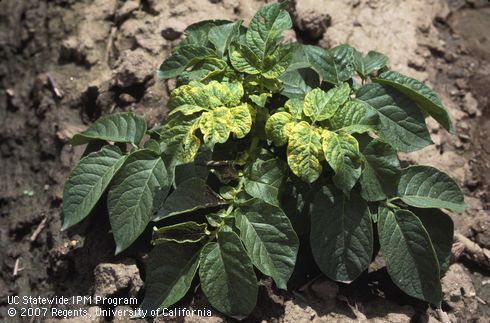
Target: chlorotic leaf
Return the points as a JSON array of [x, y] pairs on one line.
[[275, 127], [425, 98], [304, 152], [244, 60], [191, 195], [241, 120], [381, 169], [264, 178], [342, 154], [427, 187], [295, 108], [171, 268], [341, 236], [409, 255], [269, 238], [440, 228], [184, 232], [401, 124], [88, 181], [320, 105], [227, 276], [354, 116], [216, 126], [118, 127], [130, 199]]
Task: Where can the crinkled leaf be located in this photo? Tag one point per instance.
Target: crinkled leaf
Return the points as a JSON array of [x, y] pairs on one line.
[[335, 65], [369, 63], [245, 60], [88, 181], [320, 105], [440, 228], [241, 120], [295, 108], [169, 274], [221, 36], [304, 152], [264, 178], [130, 199], [118, 127], [269, 238], [192, 194], [184, 232], [227, 276], [381, 169], [216, 126], [342, 154], [426, 99], [354, 116], [211, 95], [341, 235], [275, 127], [427, 187], [409, 255], [266, 28], [402, 125]]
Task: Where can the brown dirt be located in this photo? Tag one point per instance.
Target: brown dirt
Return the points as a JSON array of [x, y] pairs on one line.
[[102, 54]]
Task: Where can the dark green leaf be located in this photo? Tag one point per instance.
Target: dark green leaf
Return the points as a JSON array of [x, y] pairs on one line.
[[381, 169], [183, 232], [197, 168], [192, 194], [354, 117], [182, 58], [171, 268], [227, 276], [88, 181], [221, 36], [263, 179], [130, 199], [369, 63], [269, 238], [334, 66], [118, 127], [440, 228], [426, 99], [427, 187], [299, 82], [409, 255], [341, 235], [402, 125]]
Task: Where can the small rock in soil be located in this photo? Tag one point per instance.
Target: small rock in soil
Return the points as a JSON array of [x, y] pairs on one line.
[[113, 278], [481, 231], [173, 28], [470, 105], [132, 68], [311, 21], [126, 9], [459, 292]]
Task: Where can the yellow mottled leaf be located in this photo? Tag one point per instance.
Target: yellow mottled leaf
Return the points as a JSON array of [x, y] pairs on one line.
[[187, 109], [304, 150], [295, 108], [275, 127], [320, 105], [241, 120], [215, 126]]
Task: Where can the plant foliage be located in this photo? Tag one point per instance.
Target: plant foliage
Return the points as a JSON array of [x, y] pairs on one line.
[[257, 128]]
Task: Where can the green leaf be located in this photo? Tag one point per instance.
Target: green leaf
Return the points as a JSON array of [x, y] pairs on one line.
[[341, 235], [402, 125], [320, 105], [227, 276], [184, 232], [440, 228], [204, 69], [221, 36], [342, 154], [181, 58], [381, 169], [354, 116], [118, 127], [427, 187], [409, 255], [299, 82], [130, 199], [215, 126], [334, 66], [368, 64], [426, 99], [264, 178], [197, 168], [192, 194], [87, 182], [260, 100], [277, 127], [266, 27], [197, 33], [269, 239], [171, 268], [244, 60], [304, 152]]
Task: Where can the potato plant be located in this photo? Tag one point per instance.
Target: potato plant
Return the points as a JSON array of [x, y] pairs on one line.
[[266, 141]]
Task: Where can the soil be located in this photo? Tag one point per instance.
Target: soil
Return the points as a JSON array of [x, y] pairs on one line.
[[64, 63]]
